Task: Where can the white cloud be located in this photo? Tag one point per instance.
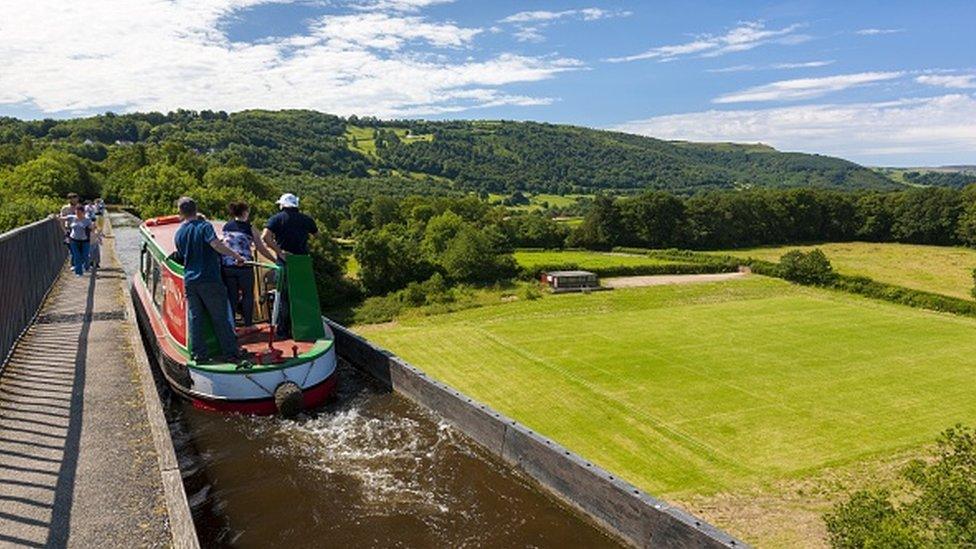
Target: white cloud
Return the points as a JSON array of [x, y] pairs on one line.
[[397, 5], [935, 127], [802, 65], [781, 66], [529, 24], [875, 32], [166, 54], [745, 36], [957, 81], [805, 88], [586, 14], [391, 32]]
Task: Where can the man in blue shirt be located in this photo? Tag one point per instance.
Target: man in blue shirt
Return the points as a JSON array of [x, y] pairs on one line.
[[286, 233], [200, 249]]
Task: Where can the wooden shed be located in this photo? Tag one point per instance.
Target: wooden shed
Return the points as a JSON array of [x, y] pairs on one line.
[[571, 281]]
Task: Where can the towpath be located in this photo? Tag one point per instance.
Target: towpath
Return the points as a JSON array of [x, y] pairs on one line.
[[78, 464], [657, 280]]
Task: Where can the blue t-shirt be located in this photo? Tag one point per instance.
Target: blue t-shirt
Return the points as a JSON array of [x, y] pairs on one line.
[[201, 263], [291, 229]]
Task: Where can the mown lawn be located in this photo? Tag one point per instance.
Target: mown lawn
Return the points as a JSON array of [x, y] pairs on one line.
[[940, 269], [584, 259], [698, 390]]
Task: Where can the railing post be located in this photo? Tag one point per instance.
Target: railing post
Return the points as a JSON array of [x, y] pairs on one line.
[[31, 257]]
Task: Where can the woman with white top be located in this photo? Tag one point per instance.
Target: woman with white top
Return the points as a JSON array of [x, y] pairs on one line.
[[79, 229]]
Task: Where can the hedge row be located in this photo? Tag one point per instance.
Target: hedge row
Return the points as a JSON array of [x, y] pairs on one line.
[[868, 287], [633, 270]]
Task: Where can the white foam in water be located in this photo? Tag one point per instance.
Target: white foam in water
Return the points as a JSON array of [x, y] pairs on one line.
[[392, 459]]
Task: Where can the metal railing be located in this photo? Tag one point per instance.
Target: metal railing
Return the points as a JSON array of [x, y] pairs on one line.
[[31, 257]]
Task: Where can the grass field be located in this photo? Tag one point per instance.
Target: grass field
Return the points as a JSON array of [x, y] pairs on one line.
[[361, 139], [536, 201], [531, 259], [940, 269], [701, 391]]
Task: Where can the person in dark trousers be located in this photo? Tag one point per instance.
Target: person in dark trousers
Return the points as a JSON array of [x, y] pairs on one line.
[[240, 235], [286, 233], [200, 250]]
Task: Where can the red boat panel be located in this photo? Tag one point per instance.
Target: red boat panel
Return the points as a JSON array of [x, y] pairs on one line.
[[174, 306], [312, 397]]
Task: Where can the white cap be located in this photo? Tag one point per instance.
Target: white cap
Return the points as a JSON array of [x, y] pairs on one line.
[[288, 200]]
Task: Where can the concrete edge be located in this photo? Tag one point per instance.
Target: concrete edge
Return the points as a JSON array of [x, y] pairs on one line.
[[181, 527], [622, 509]]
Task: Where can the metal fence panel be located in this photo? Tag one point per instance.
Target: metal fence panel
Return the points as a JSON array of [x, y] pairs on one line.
[[31, 257]]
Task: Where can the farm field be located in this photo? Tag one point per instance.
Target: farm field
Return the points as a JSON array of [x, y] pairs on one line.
[[537, 200], [939, 269], [361, 140], [702, 394], [584, 259]]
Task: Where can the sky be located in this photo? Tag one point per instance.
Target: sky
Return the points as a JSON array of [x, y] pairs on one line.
[[888, 83]]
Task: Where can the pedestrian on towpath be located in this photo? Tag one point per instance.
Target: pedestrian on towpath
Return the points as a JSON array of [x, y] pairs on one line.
[[200, 250], [287, 233], [79, 230]]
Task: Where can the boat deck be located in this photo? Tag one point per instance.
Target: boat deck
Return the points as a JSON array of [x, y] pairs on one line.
[[256, 343]]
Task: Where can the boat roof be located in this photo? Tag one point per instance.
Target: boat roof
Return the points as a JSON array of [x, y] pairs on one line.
[[162, 230]]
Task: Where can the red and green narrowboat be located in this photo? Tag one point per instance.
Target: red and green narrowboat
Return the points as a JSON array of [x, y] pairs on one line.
[[282, 376]]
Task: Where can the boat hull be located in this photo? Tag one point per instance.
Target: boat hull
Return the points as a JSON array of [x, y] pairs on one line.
[[249, 392]]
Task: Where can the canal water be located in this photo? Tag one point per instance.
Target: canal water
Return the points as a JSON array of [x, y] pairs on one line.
[[370, 469]]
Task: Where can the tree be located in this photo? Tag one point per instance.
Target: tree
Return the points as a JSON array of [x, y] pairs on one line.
[[811, 267], [471, 257], [383, 211], [653, 219], [53, 174], [388, 261], [439, 232], [935, 507], [601, 227]]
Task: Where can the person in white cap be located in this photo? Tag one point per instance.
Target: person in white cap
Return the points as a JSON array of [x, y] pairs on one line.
[[286, 233]]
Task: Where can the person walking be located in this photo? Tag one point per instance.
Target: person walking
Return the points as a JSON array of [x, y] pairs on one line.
[[95, 250], [287, 232], [240, 236], [69, 208], [200, 251], [79, 230]]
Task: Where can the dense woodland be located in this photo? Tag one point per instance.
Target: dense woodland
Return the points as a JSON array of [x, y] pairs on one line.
[[411, 195]]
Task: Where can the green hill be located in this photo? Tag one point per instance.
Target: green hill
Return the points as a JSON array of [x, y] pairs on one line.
[[493, 156]]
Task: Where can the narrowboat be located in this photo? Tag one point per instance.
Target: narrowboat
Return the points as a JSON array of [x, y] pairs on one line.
[[282, 376]]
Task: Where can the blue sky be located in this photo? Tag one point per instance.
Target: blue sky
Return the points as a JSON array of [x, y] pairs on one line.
[[883, 83]]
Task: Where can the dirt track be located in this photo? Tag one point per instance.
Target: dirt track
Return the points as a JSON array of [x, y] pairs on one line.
[[657, 280]]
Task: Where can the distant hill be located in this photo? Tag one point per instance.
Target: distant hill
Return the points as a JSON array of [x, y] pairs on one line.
[[937, 176], [492, 156]]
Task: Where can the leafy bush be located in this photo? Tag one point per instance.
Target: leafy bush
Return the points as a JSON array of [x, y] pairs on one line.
[[934, 507], [973, 291], [811, 267]]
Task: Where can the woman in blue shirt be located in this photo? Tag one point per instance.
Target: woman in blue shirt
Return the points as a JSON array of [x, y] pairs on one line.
[[240, 236]]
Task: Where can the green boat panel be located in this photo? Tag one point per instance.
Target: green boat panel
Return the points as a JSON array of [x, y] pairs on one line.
[[306, 317]]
